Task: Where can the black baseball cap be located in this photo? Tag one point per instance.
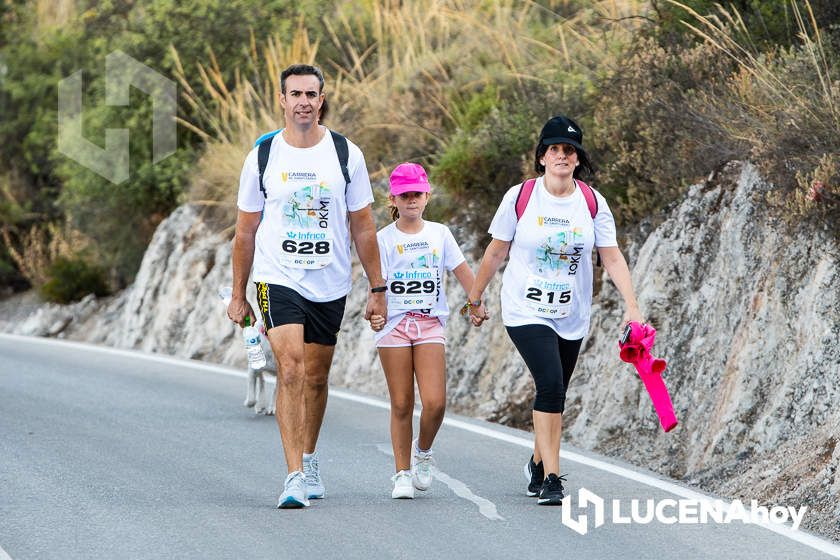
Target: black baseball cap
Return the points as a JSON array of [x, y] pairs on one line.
[[562, 130]]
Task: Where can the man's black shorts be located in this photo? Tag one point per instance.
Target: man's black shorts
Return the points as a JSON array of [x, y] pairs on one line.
[[280, 305]]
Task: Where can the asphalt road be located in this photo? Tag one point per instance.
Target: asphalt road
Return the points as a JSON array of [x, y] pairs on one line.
[[115, 454]]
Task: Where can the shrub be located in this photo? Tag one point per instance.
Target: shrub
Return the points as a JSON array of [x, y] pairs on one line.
[[72, 278], [649, 132]]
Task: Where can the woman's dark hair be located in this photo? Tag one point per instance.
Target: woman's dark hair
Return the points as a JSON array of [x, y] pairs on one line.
[[584, 169]]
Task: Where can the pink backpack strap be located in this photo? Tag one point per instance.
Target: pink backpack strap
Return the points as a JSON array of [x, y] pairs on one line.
[[524, 196], [592, 203], [589, 195]]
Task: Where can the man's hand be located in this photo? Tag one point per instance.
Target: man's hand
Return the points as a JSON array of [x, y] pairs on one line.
[[376, 305], [238, 309]]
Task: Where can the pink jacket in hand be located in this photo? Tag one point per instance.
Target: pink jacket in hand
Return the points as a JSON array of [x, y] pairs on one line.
[[635, 349]]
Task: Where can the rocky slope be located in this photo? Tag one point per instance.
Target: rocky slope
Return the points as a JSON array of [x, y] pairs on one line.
[[747, 312]]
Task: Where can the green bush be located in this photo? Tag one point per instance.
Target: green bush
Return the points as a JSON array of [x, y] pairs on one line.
[[650, 135], [118, 218], [493, 147], [71, 279]]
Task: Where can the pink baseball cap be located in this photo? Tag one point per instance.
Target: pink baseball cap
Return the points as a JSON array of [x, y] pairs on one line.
[[409, 177]]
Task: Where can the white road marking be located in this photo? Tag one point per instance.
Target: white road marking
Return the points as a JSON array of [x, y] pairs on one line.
[[4, 555], [485, 506], [799, 536]]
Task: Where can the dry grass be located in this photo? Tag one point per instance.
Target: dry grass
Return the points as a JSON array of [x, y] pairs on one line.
[[784, 104], [401, 74], [35, 249], [51, 14]]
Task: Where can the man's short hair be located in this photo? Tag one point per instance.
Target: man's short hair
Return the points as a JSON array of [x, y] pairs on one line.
[[301, 70]]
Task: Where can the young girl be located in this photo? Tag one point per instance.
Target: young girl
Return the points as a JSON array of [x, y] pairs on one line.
[[415, 254]]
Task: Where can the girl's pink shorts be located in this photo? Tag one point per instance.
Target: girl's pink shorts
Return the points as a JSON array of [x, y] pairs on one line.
[[414, 329]]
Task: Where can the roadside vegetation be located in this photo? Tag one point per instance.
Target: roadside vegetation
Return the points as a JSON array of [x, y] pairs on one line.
[[666, 92]]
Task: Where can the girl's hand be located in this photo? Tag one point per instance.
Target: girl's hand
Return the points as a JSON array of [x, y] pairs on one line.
[[377, 322]]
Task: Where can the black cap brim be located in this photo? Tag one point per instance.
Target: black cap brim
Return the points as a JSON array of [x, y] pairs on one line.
[[561, 140]]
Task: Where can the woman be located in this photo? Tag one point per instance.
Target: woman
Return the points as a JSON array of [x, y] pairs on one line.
[[547, 286]]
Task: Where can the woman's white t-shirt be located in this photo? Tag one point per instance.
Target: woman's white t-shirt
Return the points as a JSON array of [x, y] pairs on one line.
[[548, 279], [303, 241], [414, 266]]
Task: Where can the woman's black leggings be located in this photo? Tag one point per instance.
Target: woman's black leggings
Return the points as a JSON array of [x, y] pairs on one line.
[[550, 359]]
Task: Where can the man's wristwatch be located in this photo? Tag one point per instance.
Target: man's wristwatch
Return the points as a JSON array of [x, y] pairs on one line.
[[378, 289]]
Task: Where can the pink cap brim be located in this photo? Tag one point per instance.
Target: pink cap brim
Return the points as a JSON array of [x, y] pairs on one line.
[[397, 190]]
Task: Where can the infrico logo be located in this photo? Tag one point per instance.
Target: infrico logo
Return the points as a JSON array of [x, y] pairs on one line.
[[121, 72], [668, 512]]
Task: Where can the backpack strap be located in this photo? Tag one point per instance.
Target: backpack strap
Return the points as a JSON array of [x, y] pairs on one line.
[[343, 151], [262, 160], [524, 196], [528, 187], [589, 195], [264, 149], [592, 203]]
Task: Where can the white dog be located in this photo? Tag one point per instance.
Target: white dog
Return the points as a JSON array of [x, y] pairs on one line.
[[257, 396]]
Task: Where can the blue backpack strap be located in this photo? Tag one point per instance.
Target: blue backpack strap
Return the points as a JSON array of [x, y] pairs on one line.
[[266, 136], [343, 152]]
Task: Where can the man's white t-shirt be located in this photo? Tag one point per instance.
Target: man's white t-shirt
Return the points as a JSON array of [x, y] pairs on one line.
[[303, 240], [548, 279], [414, 266]]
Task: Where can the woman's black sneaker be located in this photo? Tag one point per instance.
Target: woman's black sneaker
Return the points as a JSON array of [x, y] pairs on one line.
[[551, 493], [534, 474]]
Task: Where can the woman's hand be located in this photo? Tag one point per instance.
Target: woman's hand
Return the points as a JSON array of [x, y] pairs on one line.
[[478, 315], [377, 322], [631, 315]]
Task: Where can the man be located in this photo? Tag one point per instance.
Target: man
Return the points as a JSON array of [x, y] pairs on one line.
[[294, 225]]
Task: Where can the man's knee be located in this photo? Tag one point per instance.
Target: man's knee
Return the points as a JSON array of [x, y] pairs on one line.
[[318, 381], [291, 370]]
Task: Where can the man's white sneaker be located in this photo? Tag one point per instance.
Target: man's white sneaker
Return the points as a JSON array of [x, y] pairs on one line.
[[294, 492], [403, 488], [421, 467], [312, 473]]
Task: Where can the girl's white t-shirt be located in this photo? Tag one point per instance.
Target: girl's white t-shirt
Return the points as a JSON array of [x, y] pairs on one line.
[[414, 266], [303, 240], [548, 279]]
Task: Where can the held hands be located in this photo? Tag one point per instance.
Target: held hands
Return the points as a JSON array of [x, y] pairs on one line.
[[478, 313], [377, 304], [377, 322]]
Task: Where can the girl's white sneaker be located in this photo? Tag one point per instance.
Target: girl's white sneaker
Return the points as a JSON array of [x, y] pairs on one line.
[[403, 487]]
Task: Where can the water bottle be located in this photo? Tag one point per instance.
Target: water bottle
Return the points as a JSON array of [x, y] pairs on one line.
[[256, 356]]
